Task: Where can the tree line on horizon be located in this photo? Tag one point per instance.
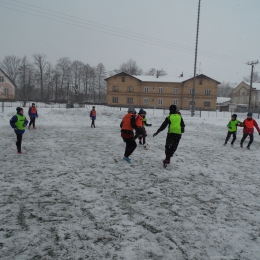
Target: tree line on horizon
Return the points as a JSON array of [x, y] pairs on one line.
[[74, 81]]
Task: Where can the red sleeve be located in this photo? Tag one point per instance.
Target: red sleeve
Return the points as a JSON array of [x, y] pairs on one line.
[[256, 126]]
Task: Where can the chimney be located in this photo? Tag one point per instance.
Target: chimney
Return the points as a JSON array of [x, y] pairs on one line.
[[181, 76], [157, 74]]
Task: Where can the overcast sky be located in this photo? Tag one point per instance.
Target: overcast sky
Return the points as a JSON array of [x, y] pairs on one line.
[[159, 34]]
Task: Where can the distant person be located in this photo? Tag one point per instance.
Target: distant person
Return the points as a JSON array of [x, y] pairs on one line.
[[139, 124], [127, 125], [249, 123], [18, 122], [176, 127], [32, 112], [232, 129], [93, 115], [145, 133]]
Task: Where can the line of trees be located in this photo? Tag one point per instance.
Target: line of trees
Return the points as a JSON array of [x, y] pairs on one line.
[[74, 81], [67, 81]]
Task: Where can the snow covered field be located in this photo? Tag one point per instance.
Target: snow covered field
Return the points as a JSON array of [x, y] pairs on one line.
[[71, 196]]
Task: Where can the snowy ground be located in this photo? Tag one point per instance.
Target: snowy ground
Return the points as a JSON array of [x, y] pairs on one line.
[[71, 196]]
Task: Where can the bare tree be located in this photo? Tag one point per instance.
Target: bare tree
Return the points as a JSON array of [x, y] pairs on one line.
[[63, 69], [26, 80], [256, 77], [76, 75], [130, 67], [40, 62], [225, 89], [49, 75], [101, 74], [155, 72], [11, 66], [86, 76]]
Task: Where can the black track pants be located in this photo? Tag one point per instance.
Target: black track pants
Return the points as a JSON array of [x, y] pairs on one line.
[[130, 146], [19, 142], [234, 134], [244, 138], [172, 142], [32, 121]]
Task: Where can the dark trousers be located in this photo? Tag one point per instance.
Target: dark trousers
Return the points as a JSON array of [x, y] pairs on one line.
[[130, 146], [244, 138], [19, 142], [142, 137], [32, 121], [234, 134], [172, 142], [93, 123]]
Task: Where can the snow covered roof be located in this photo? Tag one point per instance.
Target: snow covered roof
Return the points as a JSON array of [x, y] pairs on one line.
[[223, 99], [160, 79], [254, 85]]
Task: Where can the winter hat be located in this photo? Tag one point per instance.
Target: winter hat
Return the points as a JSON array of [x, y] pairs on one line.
[[131, 110], [141, 111], [234, 115], [33, 104], [19, 109], [249, 114], [173, 108]]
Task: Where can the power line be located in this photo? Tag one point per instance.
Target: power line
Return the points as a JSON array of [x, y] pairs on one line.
[[83, 23]]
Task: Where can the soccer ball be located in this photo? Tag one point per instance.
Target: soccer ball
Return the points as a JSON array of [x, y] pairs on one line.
[[146, 146]]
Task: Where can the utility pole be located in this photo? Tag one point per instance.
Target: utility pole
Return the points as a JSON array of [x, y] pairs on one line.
[[251, 81], [195, 63]]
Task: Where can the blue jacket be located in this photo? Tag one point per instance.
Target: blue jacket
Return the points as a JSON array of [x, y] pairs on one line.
[[13, 120], [32, 114]]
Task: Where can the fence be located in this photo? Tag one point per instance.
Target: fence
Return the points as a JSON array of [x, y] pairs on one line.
[[150, 111]]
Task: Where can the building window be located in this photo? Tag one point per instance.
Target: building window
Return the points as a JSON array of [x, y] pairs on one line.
[[130, 89], [115, 88], [146, 89], [160, 101], [6, 91], [160, 90], [1, 79], [200, 81], [115, 100], [123, 79], [207, 92], [146, 100], [191, 91], [206, 103], [175, 102], [153, 88], [190, 103], [130, 100], [175, 91]]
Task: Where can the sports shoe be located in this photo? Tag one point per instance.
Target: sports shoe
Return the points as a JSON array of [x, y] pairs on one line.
[[248, 147], [166, 161], [127, 159], [34, 128], [140, 142], [224, 143], [241, 145], [19, 152]]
